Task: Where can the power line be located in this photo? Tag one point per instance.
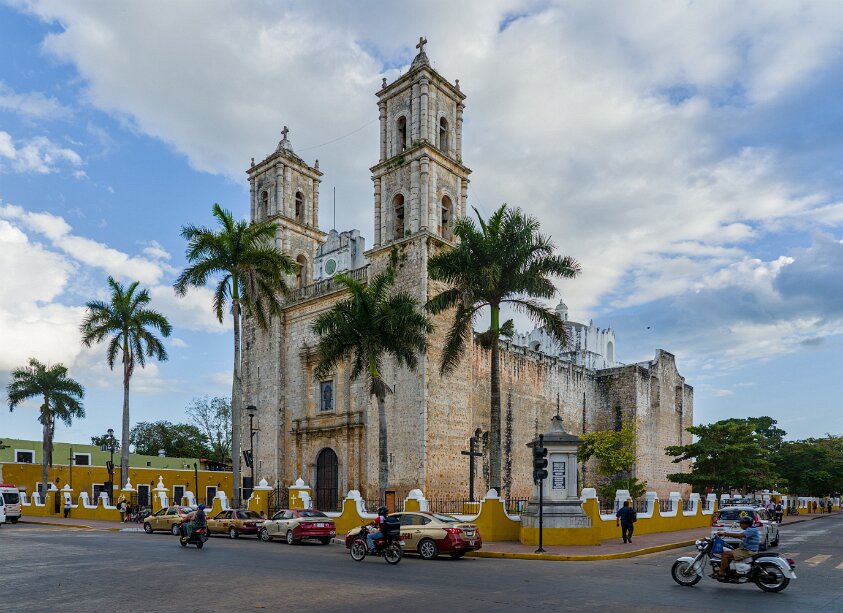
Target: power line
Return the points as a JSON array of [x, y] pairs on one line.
[[365, 125]]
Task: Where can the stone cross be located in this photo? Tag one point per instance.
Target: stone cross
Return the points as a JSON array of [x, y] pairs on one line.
[[284, 132], [471, 455], [422, 43]]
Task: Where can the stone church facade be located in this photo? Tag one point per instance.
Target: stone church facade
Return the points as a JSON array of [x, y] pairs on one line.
[[326, 431]]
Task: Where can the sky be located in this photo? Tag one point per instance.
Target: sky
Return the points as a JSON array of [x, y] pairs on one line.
[[687, 154]]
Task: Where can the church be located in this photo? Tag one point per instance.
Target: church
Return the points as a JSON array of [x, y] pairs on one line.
[[326, 431]]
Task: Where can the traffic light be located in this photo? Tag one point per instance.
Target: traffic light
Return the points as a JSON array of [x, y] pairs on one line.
[[539, 462]]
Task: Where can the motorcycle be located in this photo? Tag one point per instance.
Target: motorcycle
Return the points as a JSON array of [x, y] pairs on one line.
[[388, 547], [769, 571], [198, 537]]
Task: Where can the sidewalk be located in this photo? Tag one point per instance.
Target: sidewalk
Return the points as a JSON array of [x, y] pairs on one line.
[[612, 549], [84, 524]]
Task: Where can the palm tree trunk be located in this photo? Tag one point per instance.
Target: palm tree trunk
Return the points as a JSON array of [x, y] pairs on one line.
[[495, 408], [235, 406], [383, 456], [124, 436], [47, 455]]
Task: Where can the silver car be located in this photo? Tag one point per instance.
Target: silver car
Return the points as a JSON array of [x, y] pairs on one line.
[[728, 519]]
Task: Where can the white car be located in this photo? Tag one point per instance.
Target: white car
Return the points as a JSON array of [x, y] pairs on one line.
[[728, 519]]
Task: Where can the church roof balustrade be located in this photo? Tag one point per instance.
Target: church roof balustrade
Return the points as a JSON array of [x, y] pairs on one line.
[[327, 286]]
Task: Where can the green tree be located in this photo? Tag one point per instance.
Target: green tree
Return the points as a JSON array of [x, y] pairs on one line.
[[250, 275], [504, 261], [772, 436], [727, 454], [177, 440], [615, 454], [370, 324], [213, 417], [812, 467], [130, 326], [61, 401]]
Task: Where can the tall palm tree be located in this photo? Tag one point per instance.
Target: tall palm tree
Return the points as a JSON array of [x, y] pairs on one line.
[[366, 327], [251, 275], [504, 261], [62, 398], [130, 325]]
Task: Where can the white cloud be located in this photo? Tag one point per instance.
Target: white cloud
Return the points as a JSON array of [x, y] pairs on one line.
[[38, 154], [32, 104]]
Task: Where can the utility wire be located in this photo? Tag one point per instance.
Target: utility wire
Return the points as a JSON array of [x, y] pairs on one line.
[[365, 125]]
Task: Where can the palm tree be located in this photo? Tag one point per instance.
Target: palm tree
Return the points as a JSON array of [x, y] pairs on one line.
[[62, 400], [366, 327], [506, 261], [251, 273], [128, 322]]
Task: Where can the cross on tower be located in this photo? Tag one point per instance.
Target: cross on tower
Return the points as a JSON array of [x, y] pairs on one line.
[[284, 132], [422, 43]]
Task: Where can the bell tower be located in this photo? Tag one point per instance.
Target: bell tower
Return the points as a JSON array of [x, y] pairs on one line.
[[285, 189], [420, 182]]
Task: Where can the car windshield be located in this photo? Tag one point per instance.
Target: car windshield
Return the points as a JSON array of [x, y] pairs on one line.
[[312, 514], [445, 518], [249, 515], [734, 514]]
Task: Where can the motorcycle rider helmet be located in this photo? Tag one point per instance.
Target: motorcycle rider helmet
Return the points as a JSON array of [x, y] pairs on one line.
[[383, 511], [201, 507]]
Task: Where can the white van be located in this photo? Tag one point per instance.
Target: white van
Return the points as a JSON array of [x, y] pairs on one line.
[[2, 511], [11, 499]]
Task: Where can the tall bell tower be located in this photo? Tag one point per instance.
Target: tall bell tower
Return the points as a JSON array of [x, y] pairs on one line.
[[420, 182], [285, 188]]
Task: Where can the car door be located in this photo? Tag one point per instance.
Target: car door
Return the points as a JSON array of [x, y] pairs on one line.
[[155, 520], [214, 522], [272, 525], [409, 529]]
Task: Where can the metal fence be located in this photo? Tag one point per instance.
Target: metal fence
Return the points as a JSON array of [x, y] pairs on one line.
[[665, 506], [516, 506]]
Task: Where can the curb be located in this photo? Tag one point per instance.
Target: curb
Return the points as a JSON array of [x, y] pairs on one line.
[[557, 557], [75, 526]]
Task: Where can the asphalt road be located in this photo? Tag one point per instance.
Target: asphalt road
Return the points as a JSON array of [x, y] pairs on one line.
[[60, 569]]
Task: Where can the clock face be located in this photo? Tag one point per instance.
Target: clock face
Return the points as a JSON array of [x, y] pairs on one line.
[[331, 266]]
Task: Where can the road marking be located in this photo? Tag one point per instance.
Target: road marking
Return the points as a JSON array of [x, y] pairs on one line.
[[790, 555], [839, 566], [817, 560]]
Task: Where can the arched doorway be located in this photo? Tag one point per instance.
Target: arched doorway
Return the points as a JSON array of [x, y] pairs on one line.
[[327, 480]]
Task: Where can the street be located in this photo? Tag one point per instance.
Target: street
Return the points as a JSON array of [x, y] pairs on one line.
[[51, 568]]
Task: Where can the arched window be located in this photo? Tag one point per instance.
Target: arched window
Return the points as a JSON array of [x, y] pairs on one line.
[[610, 352], [401, 135], [445, 218], [536, 346], [301, 275], [299, 207], [443, 134], [398, 208], [264, 204]]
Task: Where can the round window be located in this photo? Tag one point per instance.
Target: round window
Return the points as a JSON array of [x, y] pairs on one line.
[[331, 266]]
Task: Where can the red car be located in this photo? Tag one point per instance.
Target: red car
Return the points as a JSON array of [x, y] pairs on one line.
[[430, 534], [294, 525]]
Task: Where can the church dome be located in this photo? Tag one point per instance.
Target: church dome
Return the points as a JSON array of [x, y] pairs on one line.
[[562, 310]]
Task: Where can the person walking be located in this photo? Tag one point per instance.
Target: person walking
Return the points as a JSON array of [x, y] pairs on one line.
[[67, 506], [626, 517], [122, 507], [830, 505], [779, 512]]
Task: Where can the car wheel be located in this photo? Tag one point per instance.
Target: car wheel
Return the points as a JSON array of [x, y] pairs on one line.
[[147, 528], [264, 535], [14, 520], [291, 539], [174, 529], [766, 544], [776, 542], [232, 533], [326, 540], [428, 549], [457, 555]]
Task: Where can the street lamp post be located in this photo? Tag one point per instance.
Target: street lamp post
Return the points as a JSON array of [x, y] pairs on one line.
[[110, 444], [252, 410]]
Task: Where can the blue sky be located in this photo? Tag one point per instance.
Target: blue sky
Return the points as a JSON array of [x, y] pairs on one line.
[[689, 155]]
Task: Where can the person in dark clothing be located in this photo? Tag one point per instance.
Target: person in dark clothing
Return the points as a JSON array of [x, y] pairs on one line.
[[625, 519]]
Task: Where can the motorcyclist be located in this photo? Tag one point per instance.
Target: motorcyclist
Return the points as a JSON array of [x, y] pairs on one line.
[[378, 528], [750, 540], [194, 520]]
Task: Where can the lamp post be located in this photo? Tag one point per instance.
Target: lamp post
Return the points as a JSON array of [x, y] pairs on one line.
[[252, 410], [196, 480], [110, 444]]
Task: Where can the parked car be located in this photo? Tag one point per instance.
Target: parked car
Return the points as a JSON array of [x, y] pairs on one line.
[[11, 499], [728, 519], [166, 519], [296, 525], [430, 534], [235, 522]]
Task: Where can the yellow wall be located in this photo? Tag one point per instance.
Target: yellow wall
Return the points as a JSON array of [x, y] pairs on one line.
[[27, 475]]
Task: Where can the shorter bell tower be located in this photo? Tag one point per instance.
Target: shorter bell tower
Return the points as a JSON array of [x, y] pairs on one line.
[[285, 189]]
